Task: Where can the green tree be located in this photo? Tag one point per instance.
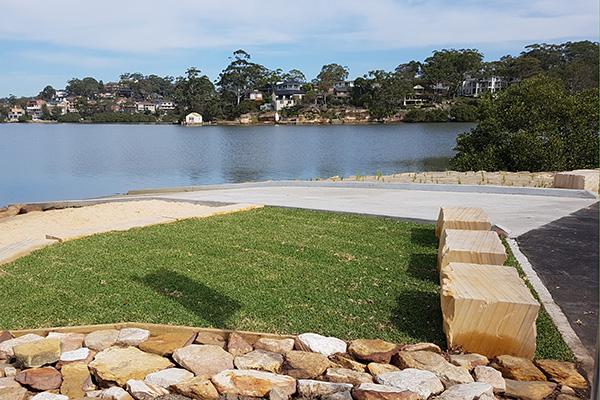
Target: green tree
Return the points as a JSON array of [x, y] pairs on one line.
[[538, 125], [86, 87], [47, 93], [294, 75], [242, 75], [196, 93], [381, 92], [329, 74], [450, 67]]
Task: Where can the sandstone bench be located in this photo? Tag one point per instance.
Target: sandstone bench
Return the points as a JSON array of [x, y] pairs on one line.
[[586, 179], [488, 309], [467, 218], [478, 247]]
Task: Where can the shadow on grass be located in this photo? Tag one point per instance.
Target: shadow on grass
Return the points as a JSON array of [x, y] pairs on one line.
[[423, 267], [424, 236], [207, 303], [419, 315]]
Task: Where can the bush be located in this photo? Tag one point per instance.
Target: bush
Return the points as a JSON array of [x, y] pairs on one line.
[[418, 115], [69, 117], [464, 112], [122, 117], [535, 126]]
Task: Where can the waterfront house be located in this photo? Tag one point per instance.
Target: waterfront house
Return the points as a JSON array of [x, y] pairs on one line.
[[415, 98], [193, 119], [34, 108], [254, 95], [473, 87], [146, 106], [14, 113], [341, 89], [166, 105], [287, 94]]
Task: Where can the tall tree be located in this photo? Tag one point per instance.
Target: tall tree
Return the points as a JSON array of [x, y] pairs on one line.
[[294, 75], [47, 93], [329, 74], [381, 92], [196, 93], [86, 87], [241, 75], [450, 67]]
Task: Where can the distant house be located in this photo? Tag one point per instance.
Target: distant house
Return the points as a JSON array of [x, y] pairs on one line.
[[474, 87], [166, 105], [287, 94], [341, 89], [34, 108], [193, 119], [254, 95], [14, 113], [415, 98], [143, 106]]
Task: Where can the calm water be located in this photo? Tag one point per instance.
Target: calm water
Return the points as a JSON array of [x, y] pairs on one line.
[[44, 162]]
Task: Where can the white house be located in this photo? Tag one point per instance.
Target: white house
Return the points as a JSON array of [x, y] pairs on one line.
[[474, 87], [193, 119], [287, 94]]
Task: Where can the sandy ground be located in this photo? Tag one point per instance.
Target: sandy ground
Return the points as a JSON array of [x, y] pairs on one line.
[[37, 224]]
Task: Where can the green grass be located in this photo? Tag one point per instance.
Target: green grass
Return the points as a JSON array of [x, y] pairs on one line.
[[267, 270]]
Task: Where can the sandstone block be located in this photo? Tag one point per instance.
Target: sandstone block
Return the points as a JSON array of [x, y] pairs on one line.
[[203, 360], [373, 391], [13, 393], [76, 377], [562, 372], [36, 354], [476, 247], [260, 360], [423, 382], [71, 341], [252, 383], [281, 346], [132, 336], [529, 390], [212, 338], [168, 377], [6, 347], [346, 375], [343, 361], [449, 374], [305, 365], [469, 361], [238, 345], [75, 355], [165, 345], [373, 350], [491, 376], [488, 310], [468, 391], [519, 368], [197, 388], [122, 364], [312, 389], [422, 347], [320, 344], [102, 339], [9, 382], [583, 179], [44, 378], [140, 390], [379, 368], [466, 218], [116, 393]]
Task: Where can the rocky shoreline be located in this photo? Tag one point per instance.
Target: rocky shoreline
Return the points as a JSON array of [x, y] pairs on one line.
[[133, 363]]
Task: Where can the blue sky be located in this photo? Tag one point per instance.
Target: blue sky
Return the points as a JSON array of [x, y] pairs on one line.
[[50, 42]]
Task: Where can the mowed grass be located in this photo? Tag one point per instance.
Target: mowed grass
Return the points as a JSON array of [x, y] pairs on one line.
[[266, 270]]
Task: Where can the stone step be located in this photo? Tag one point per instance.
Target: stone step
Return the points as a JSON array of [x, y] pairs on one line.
[[466, 218], [477, 247]]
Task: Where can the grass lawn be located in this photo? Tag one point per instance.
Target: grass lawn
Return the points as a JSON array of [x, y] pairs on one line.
[[266, 270]]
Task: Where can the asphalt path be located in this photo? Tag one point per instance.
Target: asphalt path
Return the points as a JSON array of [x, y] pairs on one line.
[[565, 255]]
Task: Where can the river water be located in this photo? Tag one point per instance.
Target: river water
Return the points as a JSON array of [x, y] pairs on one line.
[[46, 162]]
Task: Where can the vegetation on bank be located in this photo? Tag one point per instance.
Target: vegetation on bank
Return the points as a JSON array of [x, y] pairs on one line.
[[267, 270]]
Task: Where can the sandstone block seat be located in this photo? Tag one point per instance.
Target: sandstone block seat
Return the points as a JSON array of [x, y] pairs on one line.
[[488, 310], [477, 247], [586, 179], [466, 218]]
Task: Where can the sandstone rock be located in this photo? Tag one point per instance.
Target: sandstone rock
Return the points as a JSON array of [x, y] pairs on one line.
[[320, 344], [467, 391], [165, 345], [132, 336], [6, 347], [338, 396], [567, 390], [9, 382], [419, 381], [281, 346], [563, 396], [6, 335], [197, 388], [252, 383], [311, 388], [346, 362], [122, 364], [528, 390], [238, 345], [278, 394], [10, 371], [76, 377], [71, 341], [521, 369], [491, 376], [100, 340], [142, 391], [90, 357], [449, 374], [210, 338], [13, 393], [44, 378], [469, 361], [168, 377], [116, 393], [305, 365], [372, 391], [261, 360], [345, 375], [49, 396], [375, 350], [203, 360], [36, 354], [422, 347], [75, 355], [562, 372], [379, 368]]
